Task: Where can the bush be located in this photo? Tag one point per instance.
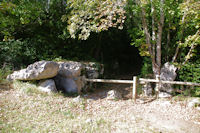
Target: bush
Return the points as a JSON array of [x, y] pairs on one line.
[[146, 68], [16, 53], [191, 73]]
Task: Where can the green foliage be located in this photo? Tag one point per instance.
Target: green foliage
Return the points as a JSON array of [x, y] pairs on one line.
[[190, 10], [191, 73], [146, 67], [16, 15], [190, 43], [134, 25], [93, 16], [39, 30], [17, 52]]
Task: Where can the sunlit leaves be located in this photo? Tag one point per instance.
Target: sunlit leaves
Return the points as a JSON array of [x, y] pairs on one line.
[[94, 16], [191, 10]]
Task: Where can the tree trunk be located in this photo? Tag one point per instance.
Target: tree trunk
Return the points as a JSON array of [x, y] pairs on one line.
[[159, 36], [168, 42], [154, 43], [48, 5], [153, 28], [148, 40]]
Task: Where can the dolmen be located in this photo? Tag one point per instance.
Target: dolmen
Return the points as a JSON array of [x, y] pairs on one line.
[[68, 76]]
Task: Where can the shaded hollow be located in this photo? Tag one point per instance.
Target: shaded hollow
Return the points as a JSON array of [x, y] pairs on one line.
[[113, 49]]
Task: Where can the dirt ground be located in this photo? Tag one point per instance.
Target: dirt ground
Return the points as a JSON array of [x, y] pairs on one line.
[[35, 112], [163, 115]]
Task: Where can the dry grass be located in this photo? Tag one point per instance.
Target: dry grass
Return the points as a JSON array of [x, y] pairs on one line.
[[25, 109]]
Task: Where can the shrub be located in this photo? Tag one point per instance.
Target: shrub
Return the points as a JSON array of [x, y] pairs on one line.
[[16, 53], [146, 68], [191, 73]]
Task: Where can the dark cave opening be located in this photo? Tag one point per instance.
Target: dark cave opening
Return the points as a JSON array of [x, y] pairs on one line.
[[116, 53]]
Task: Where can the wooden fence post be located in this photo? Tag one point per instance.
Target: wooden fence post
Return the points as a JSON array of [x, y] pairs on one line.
[[158, 85], [134, 88]]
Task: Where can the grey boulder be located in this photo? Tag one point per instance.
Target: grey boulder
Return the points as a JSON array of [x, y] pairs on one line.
[[168, 72], [69, 77], [113, 95], [93, 70], [69, 69], [147, 89], [47, 86], [164, 95], [38, 70], [194, 102]]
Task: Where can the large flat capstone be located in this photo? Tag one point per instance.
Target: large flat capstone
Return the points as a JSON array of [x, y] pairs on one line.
[[38, 70]]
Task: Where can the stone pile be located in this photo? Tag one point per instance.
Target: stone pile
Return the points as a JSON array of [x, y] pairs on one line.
[[66, 76]]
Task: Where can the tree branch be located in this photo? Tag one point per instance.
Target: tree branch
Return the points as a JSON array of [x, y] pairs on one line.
[[182, 31], [191, 49]]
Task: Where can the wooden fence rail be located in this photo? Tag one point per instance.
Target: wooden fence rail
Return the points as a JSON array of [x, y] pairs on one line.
[[110, 81], [141, 81], [169, 82]]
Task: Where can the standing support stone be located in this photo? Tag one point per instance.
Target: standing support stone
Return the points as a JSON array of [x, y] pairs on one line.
[[134, 88], [168, 73]]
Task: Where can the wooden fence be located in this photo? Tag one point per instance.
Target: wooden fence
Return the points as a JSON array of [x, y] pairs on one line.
[[141, 81]]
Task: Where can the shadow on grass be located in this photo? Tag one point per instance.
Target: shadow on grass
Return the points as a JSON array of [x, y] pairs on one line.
[[5, 85]]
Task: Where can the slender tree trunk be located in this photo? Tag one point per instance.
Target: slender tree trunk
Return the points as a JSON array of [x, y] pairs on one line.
[[48, 5], [148, 41], [159, 37], [146, 31], [154, 64], [154, 49], [153, 28], [168, 41]]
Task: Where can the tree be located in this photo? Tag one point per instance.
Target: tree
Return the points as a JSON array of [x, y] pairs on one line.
[[190, 32], [30, 30], [166, 26], [153, 29], [93, 16], [16, 16]]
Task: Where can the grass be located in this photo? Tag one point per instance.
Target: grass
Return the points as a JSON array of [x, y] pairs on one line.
[[25, 109], [3, 74]]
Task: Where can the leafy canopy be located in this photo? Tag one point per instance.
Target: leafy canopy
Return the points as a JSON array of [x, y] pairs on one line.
[[93, 16]]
